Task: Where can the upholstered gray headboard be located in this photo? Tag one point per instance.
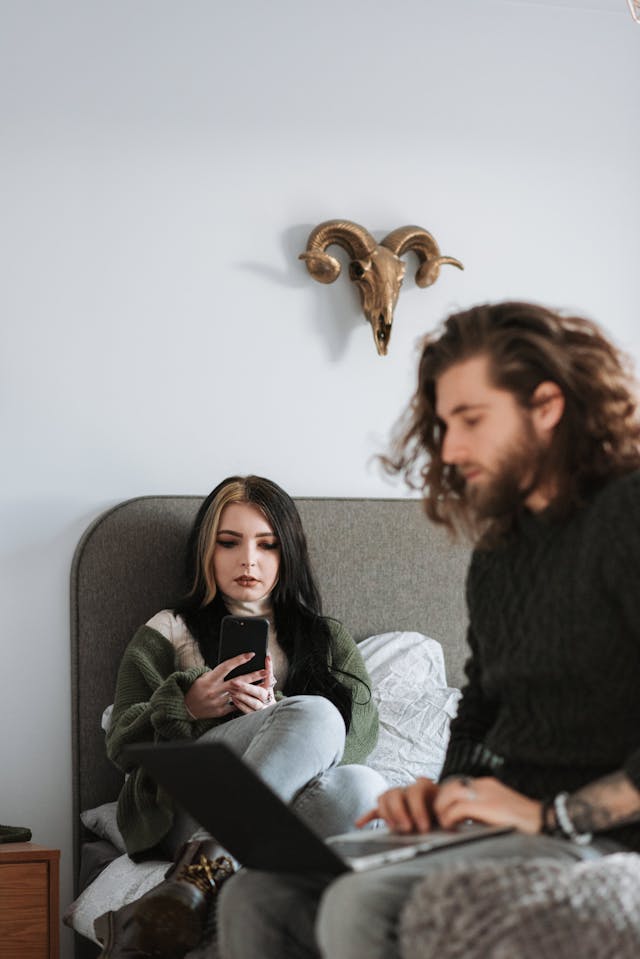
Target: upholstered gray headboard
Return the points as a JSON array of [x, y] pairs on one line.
[[380, 565]]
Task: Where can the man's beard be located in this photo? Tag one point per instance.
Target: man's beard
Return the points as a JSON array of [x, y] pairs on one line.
[[515, 477]]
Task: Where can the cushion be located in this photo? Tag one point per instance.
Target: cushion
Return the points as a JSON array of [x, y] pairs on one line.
[[102, 821], [105, 721], [94, 857], [526, 909], [121, 882], [415, 705]]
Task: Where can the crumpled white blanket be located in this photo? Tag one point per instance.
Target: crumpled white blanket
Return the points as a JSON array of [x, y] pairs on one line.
[[415, 705]]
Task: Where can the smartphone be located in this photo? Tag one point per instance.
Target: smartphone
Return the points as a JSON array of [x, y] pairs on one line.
[[243, 634]]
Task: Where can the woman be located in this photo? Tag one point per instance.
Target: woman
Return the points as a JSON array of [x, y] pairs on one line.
[[312, 706]]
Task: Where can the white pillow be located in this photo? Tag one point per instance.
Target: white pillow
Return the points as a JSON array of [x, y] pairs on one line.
[[102, 821], [415, 705], [105, 721], [120, 883]]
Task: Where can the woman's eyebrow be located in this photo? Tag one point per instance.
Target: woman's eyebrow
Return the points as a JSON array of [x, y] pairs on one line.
[[232, 532]]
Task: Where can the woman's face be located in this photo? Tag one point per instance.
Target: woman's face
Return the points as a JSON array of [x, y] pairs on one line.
[[246, 558]]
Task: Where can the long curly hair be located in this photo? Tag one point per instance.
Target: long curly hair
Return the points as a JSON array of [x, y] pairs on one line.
[[303, 632], [597, 438]]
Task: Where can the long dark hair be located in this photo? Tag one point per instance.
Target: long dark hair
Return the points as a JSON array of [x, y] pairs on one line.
[[303, 632], [597, 438]]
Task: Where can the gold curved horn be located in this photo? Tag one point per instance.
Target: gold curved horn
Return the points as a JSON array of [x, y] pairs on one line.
[[352, 237], [421, 242]]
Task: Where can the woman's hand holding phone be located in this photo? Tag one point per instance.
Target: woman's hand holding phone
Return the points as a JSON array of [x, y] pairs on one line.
[[249, 696], [212, 696]]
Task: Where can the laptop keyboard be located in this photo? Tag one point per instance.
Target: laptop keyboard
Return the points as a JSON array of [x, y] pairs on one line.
[[350, 849]]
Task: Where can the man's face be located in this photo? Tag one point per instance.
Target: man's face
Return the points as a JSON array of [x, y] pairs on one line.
[[489, 439]]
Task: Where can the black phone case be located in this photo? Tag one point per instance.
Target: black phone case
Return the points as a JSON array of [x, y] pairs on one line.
[[243, 634]]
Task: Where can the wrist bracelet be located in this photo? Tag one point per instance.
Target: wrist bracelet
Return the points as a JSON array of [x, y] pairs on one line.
[[565, 824]]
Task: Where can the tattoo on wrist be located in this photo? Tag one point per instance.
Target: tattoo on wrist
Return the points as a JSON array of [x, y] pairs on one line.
[[588, 816], [608, 802]]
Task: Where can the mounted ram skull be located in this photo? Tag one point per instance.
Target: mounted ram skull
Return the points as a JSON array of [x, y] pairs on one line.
[[375, 268]]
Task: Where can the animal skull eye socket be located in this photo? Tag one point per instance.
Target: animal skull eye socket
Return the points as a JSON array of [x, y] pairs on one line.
[[356, 270]]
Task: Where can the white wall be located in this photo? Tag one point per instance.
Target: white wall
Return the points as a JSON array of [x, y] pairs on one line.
[[162, 166]]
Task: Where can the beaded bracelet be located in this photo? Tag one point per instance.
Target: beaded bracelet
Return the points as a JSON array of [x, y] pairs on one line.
[[565, 823]]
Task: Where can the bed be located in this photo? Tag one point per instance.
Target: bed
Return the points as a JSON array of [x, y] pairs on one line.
[[395, 581]]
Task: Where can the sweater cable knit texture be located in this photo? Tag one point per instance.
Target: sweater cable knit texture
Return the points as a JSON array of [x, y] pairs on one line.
[[551, 701]]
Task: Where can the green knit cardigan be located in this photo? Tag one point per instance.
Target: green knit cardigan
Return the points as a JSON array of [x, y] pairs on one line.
[[149, 706]]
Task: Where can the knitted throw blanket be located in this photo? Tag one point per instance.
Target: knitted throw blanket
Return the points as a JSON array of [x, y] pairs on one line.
[[526, 909]]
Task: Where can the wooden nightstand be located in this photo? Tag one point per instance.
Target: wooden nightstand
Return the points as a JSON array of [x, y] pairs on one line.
[[29, 901]]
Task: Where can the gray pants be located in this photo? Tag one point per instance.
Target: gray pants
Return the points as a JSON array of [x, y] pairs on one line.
[[295, 746], [355, 916]]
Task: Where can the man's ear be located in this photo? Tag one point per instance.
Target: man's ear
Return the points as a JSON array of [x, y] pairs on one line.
[[547, 406]]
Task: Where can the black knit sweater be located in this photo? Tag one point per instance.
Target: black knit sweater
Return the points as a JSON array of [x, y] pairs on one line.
[[552, 699]]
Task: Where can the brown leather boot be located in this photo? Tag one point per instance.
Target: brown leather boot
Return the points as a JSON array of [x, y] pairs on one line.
[[169, 920], [118, 932]]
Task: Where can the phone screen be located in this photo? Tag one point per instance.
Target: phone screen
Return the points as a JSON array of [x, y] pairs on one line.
[[243, 634]]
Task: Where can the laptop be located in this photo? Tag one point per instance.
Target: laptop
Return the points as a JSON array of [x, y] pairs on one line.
[[235, 805]]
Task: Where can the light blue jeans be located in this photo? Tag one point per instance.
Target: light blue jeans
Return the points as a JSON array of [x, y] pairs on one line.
[[295, 746], [355, 916]]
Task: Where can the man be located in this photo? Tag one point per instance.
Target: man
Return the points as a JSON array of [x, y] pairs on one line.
[[524, 431]]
